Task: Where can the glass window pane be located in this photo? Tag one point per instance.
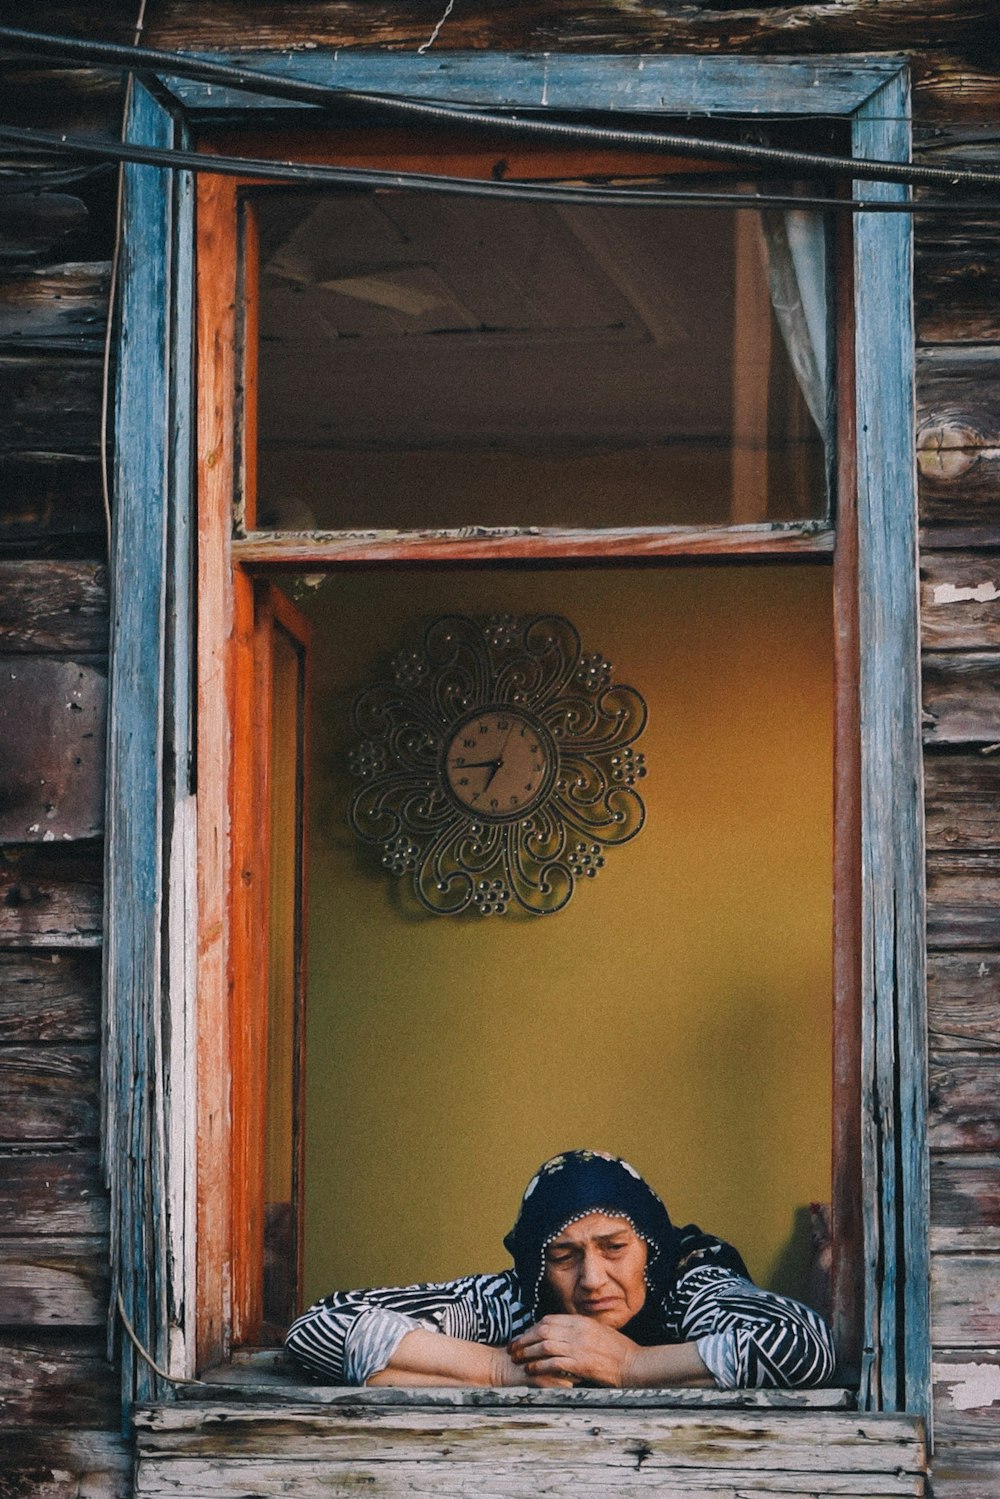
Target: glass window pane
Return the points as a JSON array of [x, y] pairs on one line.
[[427, 362]]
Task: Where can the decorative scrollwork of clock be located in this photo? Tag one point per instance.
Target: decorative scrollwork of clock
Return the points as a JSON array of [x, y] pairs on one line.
[[497, 765]]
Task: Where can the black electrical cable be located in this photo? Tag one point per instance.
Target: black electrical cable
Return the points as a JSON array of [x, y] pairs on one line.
[[186, 65], [45, 180], [300, 174]]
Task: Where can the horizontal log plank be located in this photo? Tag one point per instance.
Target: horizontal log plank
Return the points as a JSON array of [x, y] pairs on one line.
[[963, 1001], [60, 307], [50, 401], [499, 1479], [50, 498], [963, 877], [966, 1395], [965, 1301], [961, 695], [966, 1470], [46, 95], [48, 1281], [605, 1439], [956, 280], [958, 434], [55, 1464], [963, 899], [45, 1191], [959, 601], [956, 275], [52, 749], [947, 86], [965, 1202], [50, 897], [965, 141], [960, 537], [957, 294], [957, 485], [53, 606], [961, 928], [964, 1102], [33, 225], [962, 801], [49, 996], [561, 24], [63, 1383], [957, 387], [48, 1093]]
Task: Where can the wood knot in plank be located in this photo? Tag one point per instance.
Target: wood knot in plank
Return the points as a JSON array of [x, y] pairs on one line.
[[947, 450]]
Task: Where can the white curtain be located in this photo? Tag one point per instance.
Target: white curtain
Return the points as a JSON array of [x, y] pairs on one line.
[[796, 256]]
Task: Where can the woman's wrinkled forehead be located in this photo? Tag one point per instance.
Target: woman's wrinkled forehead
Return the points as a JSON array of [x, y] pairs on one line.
[[598, 1223]]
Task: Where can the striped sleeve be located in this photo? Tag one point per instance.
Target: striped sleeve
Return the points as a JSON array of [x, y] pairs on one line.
[[351, 1335], [751, 1338]]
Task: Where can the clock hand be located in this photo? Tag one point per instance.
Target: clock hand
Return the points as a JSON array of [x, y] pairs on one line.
[[510, 731], [493, 765]]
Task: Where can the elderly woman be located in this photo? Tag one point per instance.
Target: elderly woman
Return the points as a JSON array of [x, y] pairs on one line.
[[604, 1291]]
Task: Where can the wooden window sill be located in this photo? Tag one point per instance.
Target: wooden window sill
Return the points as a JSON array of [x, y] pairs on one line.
[[277, 1393], [268, 1375]]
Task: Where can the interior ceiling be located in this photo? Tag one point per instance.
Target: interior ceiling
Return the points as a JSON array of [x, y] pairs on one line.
[[404, 320]]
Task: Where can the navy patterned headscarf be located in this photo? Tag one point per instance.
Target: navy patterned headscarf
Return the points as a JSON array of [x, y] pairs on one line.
[[570, 1186]]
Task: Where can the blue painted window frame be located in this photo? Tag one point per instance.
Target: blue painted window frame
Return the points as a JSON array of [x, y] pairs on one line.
[[148, 1084]]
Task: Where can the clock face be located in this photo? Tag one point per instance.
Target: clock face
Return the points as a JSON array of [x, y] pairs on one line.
[[499, 762], [496, 765]]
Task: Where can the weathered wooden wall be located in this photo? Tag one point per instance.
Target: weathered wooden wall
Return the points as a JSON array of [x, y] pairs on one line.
[[59, 1399], [58, 1395]]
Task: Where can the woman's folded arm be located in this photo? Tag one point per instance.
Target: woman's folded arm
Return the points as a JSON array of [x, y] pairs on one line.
[[752, 1338], [353, 1336]]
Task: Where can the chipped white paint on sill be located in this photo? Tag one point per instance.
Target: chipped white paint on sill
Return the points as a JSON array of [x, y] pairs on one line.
[[975, 1385], [983, 593]]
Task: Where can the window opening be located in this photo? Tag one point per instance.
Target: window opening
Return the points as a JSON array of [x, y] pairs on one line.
[[425, 364], [677, 1010]]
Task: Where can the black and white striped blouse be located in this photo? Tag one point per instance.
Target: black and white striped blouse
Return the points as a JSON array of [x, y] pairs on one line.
[[745, 1336]]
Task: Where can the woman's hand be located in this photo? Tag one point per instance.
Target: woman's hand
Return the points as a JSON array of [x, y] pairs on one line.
[[507, 1372], [566, 1349], [424, 1359]]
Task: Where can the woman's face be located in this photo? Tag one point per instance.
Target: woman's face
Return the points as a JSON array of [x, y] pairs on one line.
[[596, 1268]]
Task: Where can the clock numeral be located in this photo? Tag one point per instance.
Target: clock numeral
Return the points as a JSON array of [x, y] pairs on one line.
[[503, 723], [476, 795], [514, 800], [529, 785], [484, 728], [494, 802], [463, 781], [536, 768], [532, 749], [458, 761], [469, 743]]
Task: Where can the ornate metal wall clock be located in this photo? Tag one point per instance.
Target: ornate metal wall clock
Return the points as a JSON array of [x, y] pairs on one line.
[[497, 765]]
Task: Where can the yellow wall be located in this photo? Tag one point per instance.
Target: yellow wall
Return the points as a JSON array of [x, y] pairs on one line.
[[677, 1012]]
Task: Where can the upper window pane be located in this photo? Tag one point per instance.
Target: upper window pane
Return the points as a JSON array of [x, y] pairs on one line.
[[434, 362]]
